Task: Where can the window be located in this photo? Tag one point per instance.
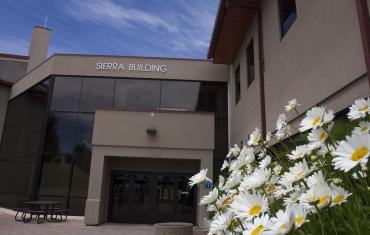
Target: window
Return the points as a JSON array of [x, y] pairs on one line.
[[250, 63], [179, 95], [66, 94], [96, 93], [237, 84], [137, 94], [288, 14]]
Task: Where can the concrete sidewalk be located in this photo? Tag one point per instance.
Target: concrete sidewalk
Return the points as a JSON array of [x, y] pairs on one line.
[[73, 226]]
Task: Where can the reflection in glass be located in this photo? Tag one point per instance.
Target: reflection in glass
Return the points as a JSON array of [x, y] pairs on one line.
[[66, 94], [80, 177], [96, 93], [179, 95], [60, 132], [120, 196], [83, 137], [137, 94], [55, 175]]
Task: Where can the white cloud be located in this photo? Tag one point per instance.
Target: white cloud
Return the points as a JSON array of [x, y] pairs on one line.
[[183, 26]]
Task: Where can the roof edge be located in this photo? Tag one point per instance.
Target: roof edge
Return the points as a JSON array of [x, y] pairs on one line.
[[217, 28], [14, 56]]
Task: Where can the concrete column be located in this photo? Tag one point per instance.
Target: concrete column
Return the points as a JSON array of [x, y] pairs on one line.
[[205, 163], [93, 203], [38, 50]]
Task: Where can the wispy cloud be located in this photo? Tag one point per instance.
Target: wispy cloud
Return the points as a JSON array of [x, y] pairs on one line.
[[113, 14], [184, 26]]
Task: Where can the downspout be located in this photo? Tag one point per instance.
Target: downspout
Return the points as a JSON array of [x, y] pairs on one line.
[[364, 23], [261, 66]]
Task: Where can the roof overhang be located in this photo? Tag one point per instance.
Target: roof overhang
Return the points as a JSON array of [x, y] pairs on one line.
[[234, 17]]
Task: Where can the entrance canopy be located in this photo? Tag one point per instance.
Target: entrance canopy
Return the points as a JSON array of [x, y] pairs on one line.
[[156, 146]]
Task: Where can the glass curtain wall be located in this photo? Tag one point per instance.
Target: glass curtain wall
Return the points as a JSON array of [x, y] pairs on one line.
[[67, 138], [20, 150]]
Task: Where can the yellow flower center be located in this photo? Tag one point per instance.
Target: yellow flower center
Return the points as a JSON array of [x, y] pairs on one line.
[[299, 175], [364, 108], [338, 198], [298, 220], [226, 201], [363, 129], [323, 200], [359, 153], [255, 210], [258, 230], [316, 121], [283, 226], [323, 136]]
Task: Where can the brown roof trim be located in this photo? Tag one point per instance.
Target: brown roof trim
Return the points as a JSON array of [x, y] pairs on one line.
[[133, 57], [12, 56], [6, 83]]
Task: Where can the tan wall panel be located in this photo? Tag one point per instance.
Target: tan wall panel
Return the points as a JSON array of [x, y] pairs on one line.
[[318, 56], [245, 116], [174, 130], [85, 65]]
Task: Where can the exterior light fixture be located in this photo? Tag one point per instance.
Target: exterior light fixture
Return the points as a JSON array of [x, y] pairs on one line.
[[151, 131]]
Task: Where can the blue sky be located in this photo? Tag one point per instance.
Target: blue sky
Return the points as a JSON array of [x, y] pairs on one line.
[[165, 28]]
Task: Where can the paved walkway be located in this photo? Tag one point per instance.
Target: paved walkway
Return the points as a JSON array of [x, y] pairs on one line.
[[73, 226]]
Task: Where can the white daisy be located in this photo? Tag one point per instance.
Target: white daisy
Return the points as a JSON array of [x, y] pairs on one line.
[[221, 223], [293, 197], [299, 152], [324, 193], [299, 215], [248, 154], [221, 181], [235, 150], [247, 206], [268, 136], [283, 132], [225, 165], [358, 175], [363, 128], [359, 109], [277, 169], [282, 222], [210, 197], [256, 179], [281, 121], [255, 137], [260, 226], [265, 162], [339, 195], [295, 173], [198, 178], [315, 118], [292, 104], [315, 179], [318, 136], [234, 179], [354, 150]]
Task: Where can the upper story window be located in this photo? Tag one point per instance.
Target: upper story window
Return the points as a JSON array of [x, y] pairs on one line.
[[288, 14], [237, 84], [250, 63]]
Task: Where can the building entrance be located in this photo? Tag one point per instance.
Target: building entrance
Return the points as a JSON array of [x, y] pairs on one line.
[[147, 197]]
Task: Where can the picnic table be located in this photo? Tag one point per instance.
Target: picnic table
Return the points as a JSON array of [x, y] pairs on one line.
[[40, 210]]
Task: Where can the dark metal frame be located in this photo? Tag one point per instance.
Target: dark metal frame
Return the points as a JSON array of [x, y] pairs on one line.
[[152, 186]]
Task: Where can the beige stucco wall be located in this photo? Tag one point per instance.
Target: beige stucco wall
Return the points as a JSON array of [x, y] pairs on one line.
[[246, 114], [318, 61], [85, 65], [122, 134]]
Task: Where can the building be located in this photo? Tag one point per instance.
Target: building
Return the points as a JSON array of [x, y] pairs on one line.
[[116, 137]]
